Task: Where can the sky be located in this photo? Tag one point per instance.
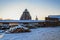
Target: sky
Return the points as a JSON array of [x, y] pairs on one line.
[[13, 9]]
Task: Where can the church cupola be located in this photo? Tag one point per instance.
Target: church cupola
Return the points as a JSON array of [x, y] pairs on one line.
[[36, 18], [25, 15]]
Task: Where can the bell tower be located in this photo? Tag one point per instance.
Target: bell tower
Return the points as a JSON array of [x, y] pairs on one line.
[[36, 18]]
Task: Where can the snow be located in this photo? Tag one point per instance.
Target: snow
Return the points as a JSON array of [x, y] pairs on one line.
[[54, 16], [1, 31], [1, 36], [14, 28], [48, 33], [22, 21]]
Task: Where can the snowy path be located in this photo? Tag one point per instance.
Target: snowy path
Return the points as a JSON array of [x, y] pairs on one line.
[[36, 34]]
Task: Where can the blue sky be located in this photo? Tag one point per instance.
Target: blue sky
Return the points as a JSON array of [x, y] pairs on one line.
[[14, 8]]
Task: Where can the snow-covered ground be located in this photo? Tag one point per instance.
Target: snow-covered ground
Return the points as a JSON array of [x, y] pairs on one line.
[[35, 34]]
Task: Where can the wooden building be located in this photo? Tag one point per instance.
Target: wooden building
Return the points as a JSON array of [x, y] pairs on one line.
[[52, 20]]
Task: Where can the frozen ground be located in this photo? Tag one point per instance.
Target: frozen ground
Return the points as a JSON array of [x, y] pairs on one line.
[[35, 34]]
